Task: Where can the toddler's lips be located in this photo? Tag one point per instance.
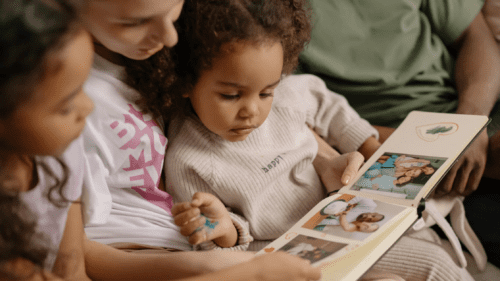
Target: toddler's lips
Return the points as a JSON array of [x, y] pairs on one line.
[[243, 131]]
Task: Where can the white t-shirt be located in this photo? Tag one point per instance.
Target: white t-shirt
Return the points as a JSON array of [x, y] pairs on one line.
[[124, 152], [51, 219]]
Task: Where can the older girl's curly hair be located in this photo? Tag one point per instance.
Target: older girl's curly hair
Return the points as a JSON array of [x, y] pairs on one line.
[[205, 28]]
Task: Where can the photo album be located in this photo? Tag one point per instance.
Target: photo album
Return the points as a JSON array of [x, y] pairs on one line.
[[346, 233]]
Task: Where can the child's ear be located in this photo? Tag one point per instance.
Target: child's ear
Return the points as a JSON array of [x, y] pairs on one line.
[[185, 95]]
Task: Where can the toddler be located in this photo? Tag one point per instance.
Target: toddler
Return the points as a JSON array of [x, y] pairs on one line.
[[243, 134]]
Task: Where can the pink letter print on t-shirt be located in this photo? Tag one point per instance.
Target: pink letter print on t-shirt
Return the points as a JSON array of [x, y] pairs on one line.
[[151, 168]]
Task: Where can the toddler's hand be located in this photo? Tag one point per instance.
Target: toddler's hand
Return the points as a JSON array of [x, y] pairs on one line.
[[205, 218]]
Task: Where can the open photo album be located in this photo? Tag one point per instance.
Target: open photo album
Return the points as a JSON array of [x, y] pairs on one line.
[[346, 233]]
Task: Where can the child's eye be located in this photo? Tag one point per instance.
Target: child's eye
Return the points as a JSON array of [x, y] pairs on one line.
[[266, 95], [229, 96]]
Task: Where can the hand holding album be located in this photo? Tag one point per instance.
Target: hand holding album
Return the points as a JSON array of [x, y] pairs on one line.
[[360, 223]]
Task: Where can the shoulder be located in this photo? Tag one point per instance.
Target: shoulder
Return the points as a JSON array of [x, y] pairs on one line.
[[105, 82], [188, 141], [297, 91], [69, 165], [73, 158]]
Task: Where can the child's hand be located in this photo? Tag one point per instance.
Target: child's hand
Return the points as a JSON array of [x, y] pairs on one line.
[[340, 170], [205, 218]]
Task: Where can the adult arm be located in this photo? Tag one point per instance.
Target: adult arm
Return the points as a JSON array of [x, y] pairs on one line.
[[106, 263], [335, 170], [478, 85]]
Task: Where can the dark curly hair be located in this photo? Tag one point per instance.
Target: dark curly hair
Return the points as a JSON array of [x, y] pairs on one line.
[[18, 238], [31, 34], [204, 27]]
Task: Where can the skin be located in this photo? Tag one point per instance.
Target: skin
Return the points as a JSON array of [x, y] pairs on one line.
[[46, 125], [55, 117], [364, 223], [119, 265], [332, 166], [401, 159], [414, 173], [187, 215], [428, 170], [370, 217], [21, 267], [402, 180], [235, 96], [136, 29]]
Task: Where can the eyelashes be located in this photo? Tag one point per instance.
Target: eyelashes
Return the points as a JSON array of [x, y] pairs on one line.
[[236, 96]]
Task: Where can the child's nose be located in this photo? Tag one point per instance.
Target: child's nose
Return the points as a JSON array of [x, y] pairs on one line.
[[251, 109]]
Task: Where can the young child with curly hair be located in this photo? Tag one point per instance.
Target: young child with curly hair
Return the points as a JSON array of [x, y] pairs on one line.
[[241, 131]]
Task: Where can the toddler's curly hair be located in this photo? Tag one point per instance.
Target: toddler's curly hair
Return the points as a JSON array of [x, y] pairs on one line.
[[207, 28]]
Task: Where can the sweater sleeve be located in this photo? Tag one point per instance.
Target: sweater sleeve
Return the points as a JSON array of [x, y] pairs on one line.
[[244, 237], [328, 113]]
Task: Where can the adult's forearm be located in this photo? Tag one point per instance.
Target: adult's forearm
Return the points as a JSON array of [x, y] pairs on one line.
[[103, 262], [477, 68], [369, 147], [325, 154]]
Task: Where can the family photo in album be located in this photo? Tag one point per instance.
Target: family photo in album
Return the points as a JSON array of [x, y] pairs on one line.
[[398, 175], [353, 217]]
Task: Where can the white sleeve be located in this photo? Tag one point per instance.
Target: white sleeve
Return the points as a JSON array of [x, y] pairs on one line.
[[328, 113], [367, 205]]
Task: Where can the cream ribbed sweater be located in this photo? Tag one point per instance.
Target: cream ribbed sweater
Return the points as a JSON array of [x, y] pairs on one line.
[[268, 178]]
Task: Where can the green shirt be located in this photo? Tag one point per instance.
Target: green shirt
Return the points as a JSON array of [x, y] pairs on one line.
[[388, 57]]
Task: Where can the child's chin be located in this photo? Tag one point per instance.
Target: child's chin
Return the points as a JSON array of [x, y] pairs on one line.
[[236, 138]]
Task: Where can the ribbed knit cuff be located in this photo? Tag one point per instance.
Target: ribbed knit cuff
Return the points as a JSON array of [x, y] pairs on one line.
[[356, 134], [244, 237]]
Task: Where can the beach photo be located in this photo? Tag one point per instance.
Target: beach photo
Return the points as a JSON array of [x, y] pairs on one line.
[[398, 175]]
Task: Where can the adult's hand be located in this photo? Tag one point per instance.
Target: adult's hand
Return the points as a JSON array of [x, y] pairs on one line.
[[283, 266], [464, 177]]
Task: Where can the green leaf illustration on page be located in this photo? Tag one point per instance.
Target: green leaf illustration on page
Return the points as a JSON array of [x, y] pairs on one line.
[[439, 129]]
